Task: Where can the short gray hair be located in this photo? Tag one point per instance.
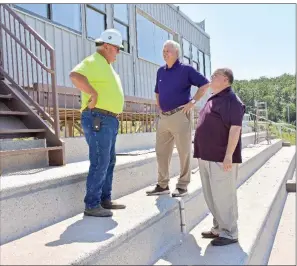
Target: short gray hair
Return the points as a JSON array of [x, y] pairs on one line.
[[174, 45]]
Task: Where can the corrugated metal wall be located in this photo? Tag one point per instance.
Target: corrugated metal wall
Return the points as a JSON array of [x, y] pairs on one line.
[[138, 76]]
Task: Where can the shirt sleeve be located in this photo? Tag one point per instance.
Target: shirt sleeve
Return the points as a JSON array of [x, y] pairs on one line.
[[196, 78], [83, 68], [156, 86], [236, 112]]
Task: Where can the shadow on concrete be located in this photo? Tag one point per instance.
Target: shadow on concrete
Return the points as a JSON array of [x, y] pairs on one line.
[[87, 230], [190, 253]]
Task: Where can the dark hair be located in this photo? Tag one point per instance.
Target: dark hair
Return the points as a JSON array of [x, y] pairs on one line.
[[227, 72], [99, 44]]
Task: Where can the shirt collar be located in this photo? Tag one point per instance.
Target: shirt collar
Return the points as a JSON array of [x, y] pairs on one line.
[[176, 63], [222, 93]]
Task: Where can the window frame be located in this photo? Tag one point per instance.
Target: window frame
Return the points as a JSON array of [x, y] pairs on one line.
[[209, 65], [98, 11], [203, 58], [49, 17], [127, 25], [193, 60], [57, 23], [151, 20], [190, 50]]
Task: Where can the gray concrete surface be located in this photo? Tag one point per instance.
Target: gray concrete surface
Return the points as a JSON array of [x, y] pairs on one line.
[[260, 202], [291, 184], [133, 235], [31, 201], [54, 194], [284, 247], [253, 157], [76, 149], [131, 245], [15, 163]]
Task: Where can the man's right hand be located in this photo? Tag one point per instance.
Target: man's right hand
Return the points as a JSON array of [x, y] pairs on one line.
[[93, 101]]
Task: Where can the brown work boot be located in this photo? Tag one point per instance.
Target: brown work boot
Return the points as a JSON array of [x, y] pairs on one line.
[[112, 205], [209, 234], [98, 212], [158, 191], [179, 192]]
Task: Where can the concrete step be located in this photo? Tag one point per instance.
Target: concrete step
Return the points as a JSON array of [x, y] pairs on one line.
[[291, 184], [284, 246], [56, 193], [18, 162], [260, 202], [34, 199], [137, 235], [254, 157]]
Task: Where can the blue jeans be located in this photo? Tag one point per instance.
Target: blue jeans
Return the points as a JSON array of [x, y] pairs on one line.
[[102, 157]]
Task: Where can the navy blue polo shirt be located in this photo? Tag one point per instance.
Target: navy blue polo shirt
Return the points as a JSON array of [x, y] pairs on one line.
[[221, 111], [174, 85]]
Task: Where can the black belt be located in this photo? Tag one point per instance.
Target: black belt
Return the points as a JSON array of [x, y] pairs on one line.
[[172, 111], [101, 111]]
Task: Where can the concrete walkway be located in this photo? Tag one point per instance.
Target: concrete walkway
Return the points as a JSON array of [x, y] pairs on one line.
[[284, 248]]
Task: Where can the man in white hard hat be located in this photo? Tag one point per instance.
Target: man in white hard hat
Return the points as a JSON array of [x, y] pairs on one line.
[[102, 100]]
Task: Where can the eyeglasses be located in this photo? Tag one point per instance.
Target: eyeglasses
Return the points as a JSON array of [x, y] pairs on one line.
[[218, 74]]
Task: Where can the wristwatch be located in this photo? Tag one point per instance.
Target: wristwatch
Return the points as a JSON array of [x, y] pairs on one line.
[[193, 101]]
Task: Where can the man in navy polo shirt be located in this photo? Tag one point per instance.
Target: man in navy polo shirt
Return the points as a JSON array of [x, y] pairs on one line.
[[217, 145], [173, 95]]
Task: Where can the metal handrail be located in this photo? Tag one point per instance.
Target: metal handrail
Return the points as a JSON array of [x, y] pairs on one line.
[[25, 67]]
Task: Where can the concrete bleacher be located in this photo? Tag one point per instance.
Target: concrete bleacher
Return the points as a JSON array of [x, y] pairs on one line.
[[44, 207]]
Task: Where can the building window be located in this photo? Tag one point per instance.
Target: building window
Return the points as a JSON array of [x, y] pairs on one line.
[[95, 20], [121, 23], [38, 9], [201, 63], [195, 59], [187, 52], [67, 15], [101, 7], [207, 66], [150, 40]]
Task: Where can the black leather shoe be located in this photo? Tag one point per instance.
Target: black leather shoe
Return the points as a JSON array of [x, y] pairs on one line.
[[222, 241], [112, 205]]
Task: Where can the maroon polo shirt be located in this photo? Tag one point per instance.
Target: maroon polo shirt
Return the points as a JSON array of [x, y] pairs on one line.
[[221, 111]]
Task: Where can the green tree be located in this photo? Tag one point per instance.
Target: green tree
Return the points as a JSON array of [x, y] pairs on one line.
[[278, 92]]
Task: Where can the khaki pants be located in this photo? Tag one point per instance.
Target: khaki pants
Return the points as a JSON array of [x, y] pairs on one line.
[[219, 189], [175, 128]]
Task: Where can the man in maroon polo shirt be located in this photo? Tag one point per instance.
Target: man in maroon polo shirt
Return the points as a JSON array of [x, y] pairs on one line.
[[173, 95], [217, 145]]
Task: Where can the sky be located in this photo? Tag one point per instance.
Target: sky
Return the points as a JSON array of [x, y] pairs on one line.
[[253, 40]]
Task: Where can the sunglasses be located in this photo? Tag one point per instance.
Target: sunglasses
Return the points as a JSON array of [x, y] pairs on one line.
[[116, 47]]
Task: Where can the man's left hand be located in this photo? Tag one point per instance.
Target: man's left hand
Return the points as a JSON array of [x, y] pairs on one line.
[[188, 107], [227, 163]]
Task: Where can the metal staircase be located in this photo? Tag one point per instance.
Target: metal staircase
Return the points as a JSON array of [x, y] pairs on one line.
[[27, 110]]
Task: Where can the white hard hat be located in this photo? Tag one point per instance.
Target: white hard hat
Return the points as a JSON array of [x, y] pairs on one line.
[[111, 36]]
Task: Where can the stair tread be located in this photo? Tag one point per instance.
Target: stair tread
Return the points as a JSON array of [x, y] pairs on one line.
[[13, 113], [24, 130], [30, 150], [6, 96], [79, 236], [254, 200], [86, 236]]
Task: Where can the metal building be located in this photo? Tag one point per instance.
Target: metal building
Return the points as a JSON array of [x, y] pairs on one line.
[[72, 28]]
